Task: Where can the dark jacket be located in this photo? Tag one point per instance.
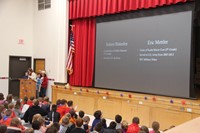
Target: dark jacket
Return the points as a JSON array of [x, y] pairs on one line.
[[78, 130], [32, 111], [55, 117], [109, 130]]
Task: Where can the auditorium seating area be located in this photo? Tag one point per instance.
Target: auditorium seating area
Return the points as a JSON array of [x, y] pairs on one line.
[[29, 115], [36, 114]]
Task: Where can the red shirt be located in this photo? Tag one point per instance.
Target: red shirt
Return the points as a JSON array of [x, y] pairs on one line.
[[133, 128], [7, 121], [67, 110], [44, 82], [30, 103], [62, 110], [13, 115]]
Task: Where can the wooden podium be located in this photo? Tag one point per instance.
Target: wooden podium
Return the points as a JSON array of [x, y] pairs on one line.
[[27, 88]]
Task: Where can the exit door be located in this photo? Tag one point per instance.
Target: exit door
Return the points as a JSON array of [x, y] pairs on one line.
[[18, 65]]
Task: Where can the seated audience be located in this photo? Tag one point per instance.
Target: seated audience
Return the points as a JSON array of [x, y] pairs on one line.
[[103, 123], [134, 127], [35, 109], [2, 101], [56, 125], [29, 130], [86, 120], [124, 126], [65, 127], [72, 119], [30, 102], [2, 109], [17, 109], [15, 126], [70, 105], [53, 115], [78, 129], [11, 107], [46, 104], [39, 118], [7, 118], [3, 128], [43, 127], [118, 119], [144, 128], [40, 99], [52, 130], [61, 107], [97, 115], [155, 126], [81, 114], [9, 98], [36, 125], [98, 128], [25, 100], [111, 128]]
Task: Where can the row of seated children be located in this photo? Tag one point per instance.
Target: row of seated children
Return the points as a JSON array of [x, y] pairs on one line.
[[64, 117]]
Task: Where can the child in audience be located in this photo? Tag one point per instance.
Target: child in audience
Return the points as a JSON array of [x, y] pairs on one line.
[[16, 123], [81, 114], [144, 128], [52, 129], [61, 107], [9, 98], [42, 124], [30, 102], [56, 125], [134, 127], [17, 109], [2, 101], [29, 130], [36, 125], [78, 129], [86, 120], [111, 128], [7, 118], [11, 107], [25, 100], [124, 126], [97, 115], [103, 122], [40, 99], [35, 109], [46, 104], [98, 128], [65, 127], [53, 115], [2, 109], [70, 106], [155, 126], [38, 117], [72, 119], [118, 119]]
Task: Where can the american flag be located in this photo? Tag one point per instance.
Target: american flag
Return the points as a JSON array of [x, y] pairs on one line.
[[70, 54]]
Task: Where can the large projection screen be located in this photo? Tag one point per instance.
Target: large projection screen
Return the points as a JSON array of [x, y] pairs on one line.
[[148, 54]]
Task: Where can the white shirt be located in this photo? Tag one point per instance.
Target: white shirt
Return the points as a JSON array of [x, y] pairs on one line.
[[33, 76]]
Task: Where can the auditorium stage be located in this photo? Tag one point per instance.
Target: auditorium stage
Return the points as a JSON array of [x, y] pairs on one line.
[[166, 110]]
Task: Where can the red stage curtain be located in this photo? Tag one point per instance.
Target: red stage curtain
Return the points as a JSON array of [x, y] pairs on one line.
[[84, 41], [92, 8]]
